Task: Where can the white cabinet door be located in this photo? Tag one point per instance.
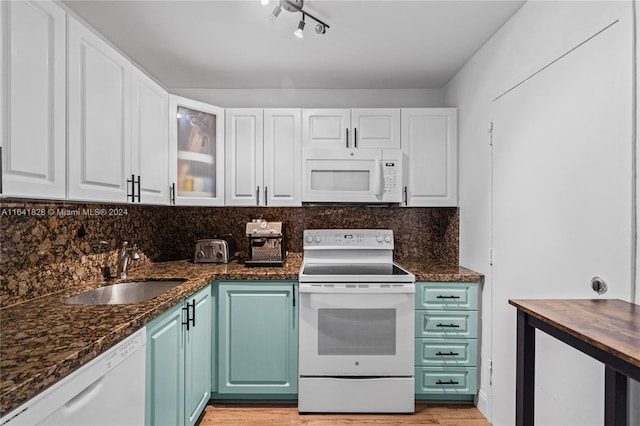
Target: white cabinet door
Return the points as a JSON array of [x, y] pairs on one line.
[[282, 157], [244, 153], [326, 128], [196, 152], [150, 140], [99, 105], [375, 128], [429, 144], [263, 157], [32, 92]]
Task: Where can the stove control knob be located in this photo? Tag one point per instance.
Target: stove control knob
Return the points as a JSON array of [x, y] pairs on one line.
[[200, 254], [387, 238], [309, 239], [317, 239]]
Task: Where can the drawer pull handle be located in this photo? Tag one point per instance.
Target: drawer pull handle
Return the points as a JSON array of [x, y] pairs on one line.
[[450, 382], [447, 354], [448, 325], [447, 297]]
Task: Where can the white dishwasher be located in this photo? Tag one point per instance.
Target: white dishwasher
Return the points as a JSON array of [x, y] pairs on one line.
[[109, 390]]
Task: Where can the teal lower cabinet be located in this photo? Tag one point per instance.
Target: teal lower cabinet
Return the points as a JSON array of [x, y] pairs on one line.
[[446, 341], [165, 369], [257, 340], [197, 360], [179, 362]]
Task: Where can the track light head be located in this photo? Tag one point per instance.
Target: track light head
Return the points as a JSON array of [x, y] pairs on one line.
[[274, 15], [300, 31], [320, 29], [264, 2]]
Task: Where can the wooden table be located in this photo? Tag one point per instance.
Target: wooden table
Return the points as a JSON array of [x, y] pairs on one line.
[[606, 330]]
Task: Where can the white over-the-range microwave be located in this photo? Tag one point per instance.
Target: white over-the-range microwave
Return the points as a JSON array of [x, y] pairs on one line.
[[351, 176]]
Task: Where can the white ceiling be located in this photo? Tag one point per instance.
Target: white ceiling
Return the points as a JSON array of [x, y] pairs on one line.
[[371, 44]]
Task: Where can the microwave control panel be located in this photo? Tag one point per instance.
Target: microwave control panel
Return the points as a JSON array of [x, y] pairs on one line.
[[390, 175]]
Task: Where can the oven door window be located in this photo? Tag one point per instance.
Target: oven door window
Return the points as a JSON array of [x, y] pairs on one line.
[[356, 331]]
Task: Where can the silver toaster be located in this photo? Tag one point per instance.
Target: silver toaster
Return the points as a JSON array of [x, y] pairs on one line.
[[211, 250]]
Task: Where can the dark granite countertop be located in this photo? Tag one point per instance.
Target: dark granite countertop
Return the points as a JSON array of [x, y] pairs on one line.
[[43, 340]]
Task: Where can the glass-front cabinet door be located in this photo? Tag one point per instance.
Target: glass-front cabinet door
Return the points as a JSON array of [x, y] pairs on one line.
[[196, 137]]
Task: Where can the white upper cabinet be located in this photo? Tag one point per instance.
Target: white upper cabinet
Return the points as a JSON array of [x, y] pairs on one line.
[[326, 128], [32, 96], [99, 105], [282, 157], [375, 128], [263, 157], [150, 140], [244, 153], [371, 128], [430, 150], [196, 152]]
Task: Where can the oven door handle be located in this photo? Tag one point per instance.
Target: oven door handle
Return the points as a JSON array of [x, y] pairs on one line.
[[356, 288]]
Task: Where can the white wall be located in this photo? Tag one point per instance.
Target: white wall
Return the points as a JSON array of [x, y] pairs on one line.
[[539, 34], [315, 98]]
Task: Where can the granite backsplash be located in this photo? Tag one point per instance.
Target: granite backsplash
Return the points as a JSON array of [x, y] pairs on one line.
[[51, 246]]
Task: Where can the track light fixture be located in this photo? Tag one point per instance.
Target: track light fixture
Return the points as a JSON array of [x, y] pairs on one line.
[[296, 6]]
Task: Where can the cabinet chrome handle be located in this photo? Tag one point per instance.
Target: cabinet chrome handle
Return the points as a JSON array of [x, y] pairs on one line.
[[447, 354], [266, 199], [139, 192], [172, 194], [406, 199], [447, 297], [347, 138], [448, 325], [450, 382], [355, 137], [257, 196], [293, 293]]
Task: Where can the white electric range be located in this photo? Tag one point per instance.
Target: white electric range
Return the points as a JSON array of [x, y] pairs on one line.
[[356, 328]]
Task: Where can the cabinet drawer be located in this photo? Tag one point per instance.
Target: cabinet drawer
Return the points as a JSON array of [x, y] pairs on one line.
[[445, 352], [446, 380], [447, 324], [451, 296]]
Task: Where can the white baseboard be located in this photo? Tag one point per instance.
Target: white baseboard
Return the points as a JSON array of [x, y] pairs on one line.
[[484, 404]]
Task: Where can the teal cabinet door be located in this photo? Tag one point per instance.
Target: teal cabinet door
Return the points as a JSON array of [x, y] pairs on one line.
[[179, 362], [165, 370], [197, 355], [258, 338]]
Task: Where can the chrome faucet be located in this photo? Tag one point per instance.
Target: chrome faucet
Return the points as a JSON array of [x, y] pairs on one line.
[[124, 256]]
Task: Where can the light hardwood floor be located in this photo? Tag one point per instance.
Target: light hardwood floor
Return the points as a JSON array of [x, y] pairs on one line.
[[287, 414]]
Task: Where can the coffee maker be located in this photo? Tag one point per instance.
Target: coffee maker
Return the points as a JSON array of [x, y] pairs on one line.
[[266, 243]]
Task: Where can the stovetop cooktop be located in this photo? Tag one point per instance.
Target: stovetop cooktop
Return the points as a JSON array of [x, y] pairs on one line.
[[353, 269]]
